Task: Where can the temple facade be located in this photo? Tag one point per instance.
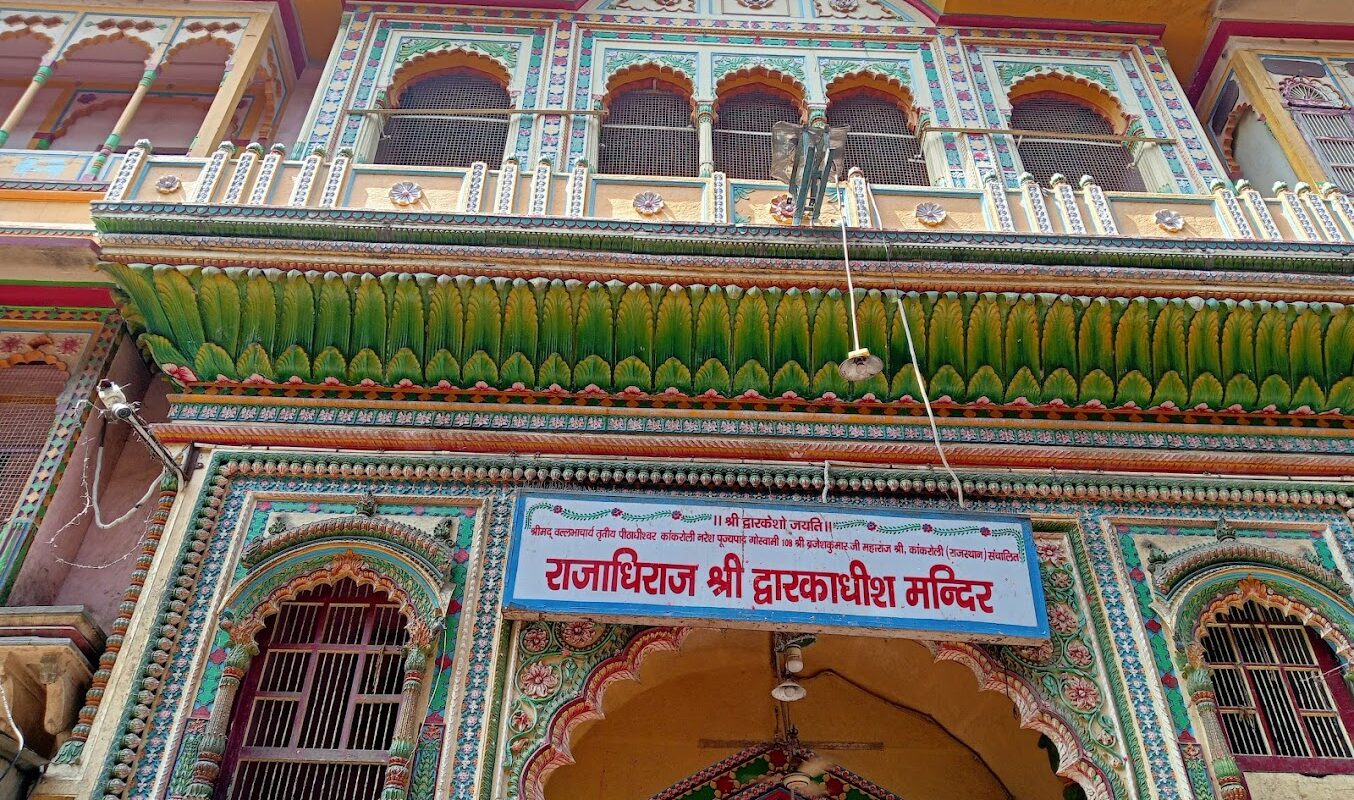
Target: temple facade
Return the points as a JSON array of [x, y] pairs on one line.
[[512, 401]]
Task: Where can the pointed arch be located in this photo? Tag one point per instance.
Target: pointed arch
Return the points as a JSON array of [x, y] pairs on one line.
[[438, 62], [762, 78], [645, 71], [1217, 592], [884, 120]]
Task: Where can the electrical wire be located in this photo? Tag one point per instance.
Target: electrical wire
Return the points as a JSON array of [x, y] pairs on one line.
[[911, 349], [18, 732]]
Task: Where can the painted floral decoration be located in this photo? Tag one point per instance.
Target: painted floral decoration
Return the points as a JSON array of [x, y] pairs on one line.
[[1081, 693], [844, 6], [1169, 221], [648, 203], [406, 193], [931, 214], [755, 4], [168, 184], [782, 207], [539, 681]]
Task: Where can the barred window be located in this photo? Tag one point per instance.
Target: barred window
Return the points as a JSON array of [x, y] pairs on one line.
[[881, 142], [447, 140], [742, 134], [317, 709], [28, 398], [1279, 692], [1326, 122], [648, 131], [1109, 163]]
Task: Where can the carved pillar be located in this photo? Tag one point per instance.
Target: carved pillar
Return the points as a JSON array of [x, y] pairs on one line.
[[1199, 685], [213, 744], [128, 113], [705, 136], [20, 108], [405, 741]]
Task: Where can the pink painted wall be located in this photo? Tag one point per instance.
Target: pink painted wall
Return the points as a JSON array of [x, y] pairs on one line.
[[128, 469]]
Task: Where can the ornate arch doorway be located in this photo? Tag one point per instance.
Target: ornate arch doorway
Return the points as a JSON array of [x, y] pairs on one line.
[[891, 720]]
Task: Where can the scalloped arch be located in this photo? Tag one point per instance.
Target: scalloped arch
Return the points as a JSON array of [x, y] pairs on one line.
[[440, 61], [103, 38], [99, 105], [877, 83], [194, 42], [1227, 139], [1080, 88], [767, 78], [1216, 593], [1075, 762], [435, 556], [24, 33], [623, 78], [278, 579]]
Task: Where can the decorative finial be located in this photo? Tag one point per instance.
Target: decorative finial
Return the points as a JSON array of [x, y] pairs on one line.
[[366, 507], [1223, 531]]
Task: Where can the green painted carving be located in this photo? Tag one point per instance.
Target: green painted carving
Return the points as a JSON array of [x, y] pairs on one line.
[[205, 325], [834, 68], [787, 65], [617, 60], [1011, 71], [504, 53]]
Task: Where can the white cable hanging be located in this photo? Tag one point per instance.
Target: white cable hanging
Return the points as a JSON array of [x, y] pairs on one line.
[[866, 369]]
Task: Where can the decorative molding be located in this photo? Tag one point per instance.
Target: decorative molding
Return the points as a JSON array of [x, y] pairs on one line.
[[1101, 213], [1297, 216], [338, 173], [1320, 213], [1067, 205], [305, 179], [472, 187], [1036, 209], [239, 177], [211, 174], [540, 189], [999, 210], [128, 170], [263, 182], [1259, 209]]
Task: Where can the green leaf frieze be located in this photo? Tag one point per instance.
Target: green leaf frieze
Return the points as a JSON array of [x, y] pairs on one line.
[[268, 326]]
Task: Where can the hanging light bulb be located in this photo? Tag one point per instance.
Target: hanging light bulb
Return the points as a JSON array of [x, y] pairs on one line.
[[794, 659], [860, 365], [788, 691]]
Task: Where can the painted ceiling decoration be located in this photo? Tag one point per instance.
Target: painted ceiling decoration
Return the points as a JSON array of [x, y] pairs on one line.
[[207, 326]]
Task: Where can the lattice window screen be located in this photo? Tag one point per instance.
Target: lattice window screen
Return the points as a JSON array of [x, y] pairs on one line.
[[1109, 163], [317, 712], [648, 132], [28, 398], [1270, 674], [881, 141], [451, 140], [1331, 134], [742, 134]]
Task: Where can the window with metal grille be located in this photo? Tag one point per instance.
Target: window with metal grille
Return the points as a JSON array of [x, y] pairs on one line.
[[1326, 122], [881, 141], [648, 131], [1283, 704], [317, 709], [742, 134], [447, 139], [28, 397], [1109, 163]]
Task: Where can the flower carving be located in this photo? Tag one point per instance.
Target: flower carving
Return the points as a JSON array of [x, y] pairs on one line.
[[1062, 618], [1081, 693], [168, 184], [755, 4], [1169, 221], [406, 193], [539, 681], [535, 639], [1079, 654], [580, 635], [931, 214], [844, 6], [782, 208], [648, 203]]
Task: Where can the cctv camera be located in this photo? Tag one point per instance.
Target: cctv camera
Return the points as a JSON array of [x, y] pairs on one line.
[[122, 410], [110, 394]]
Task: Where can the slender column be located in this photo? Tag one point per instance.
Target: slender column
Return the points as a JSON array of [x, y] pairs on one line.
[[128, 112], [705, 136], [1199, 685], [213, 743], [244, 62], [405, 740], [12, 121], [818, 114]]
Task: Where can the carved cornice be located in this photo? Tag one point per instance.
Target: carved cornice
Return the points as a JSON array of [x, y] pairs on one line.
[[435, 553]]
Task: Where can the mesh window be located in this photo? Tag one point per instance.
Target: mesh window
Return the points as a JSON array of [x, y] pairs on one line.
[[451, 140], [317, 712], [1270, 678], [648, 132], [742, 135], [1110, 163], [881, 141], [28, 395]]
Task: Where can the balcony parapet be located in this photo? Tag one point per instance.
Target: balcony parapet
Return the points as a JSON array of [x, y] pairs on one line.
[[244, 187]]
